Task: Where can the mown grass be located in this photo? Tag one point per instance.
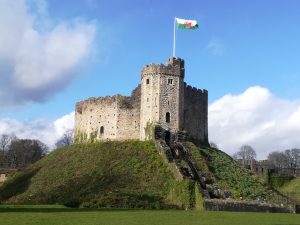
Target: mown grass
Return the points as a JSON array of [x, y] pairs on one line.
[[67, 216]]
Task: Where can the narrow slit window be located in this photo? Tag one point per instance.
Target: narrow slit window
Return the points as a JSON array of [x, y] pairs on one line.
[[170, 81], [167, 117], [101, 130], [147, 81]]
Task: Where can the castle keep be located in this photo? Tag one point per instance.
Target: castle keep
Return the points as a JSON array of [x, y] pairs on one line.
[[162, 99]]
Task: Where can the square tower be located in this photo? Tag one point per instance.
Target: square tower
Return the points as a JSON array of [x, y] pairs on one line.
[[162, 97]]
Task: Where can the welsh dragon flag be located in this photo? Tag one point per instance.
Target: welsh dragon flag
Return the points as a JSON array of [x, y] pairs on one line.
[[187, 24]]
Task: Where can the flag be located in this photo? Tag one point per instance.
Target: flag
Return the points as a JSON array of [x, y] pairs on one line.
[[187, 24]]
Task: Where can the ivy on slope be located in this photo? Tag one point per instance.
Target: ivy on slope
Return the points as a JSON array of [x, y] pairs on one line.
[[229, 175]]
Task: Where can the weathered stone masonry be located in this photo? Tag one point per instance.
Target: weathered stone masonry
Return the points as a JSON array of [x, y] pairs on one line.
[[162, 98], [108, 118]]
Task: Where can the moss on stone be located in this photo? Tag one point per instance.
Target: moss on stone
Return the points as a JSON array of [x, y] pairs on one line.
[[149, 131], [93, 136], [80, 137]]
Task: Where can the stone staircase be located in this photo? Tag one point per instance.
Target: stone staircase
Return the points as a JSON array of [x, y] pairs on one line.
[[183, 164]]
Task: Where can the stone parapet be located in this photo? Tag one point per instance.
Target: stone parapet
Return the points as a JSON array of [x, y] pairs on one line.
[[174, 67]]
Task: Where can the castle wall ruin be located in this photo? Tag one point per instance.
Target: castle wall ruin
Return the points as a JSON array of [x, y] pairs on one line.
[[108, 118], [162, 99]]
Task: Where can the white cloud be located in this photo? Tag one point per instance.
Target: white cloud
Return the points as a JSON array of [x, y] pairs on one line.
[[44, 130], [38, 58], [215, 47], [64, 123], [255, 117]]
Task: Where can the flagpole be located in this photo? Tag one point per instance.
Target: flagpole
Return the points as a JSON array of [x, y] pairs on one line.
[[174, 37]]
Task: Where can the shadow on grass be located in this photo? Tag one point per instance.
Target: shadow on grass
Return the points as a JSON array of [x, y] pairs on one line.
[[18, 185], [58, 210]]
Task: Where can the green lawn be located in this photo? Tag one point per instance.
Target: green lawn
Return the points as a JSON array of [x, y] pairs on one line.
[[65, 216]]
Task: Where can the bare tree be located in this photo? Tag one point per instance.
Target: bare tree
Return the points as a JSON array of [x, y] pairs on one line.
[[4, 142], [289, 159], [296, 155], [23, 152], [66, 140], [292, 158], [246, 154], [278, 160]]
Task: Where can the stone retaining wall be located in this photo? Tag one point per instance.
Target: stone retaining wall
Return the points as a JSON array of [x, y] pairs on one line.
[[244, 206]]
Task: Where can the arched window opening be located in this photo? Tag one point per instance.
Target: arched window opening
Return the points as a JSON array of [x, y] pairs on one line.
[[167, 117], [101, 130]]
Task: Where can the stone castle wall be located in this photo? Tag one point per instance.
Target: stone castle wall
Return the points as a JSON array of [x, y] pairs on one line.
[[174, 67], [108, 118], [162, 99], [128, 121], [171, 101], [149, 101], [195, 113], [162, 94]]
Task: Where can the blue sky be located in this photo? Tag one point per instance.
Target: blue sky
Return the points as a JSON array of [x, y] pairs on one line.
[[239, 44]]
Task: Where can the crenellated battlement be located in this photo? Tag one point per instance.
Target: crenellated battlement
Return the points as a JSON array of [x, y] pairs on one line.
[[117, 100], [195, 91], [107, 100], [173, 67], [162, 98]]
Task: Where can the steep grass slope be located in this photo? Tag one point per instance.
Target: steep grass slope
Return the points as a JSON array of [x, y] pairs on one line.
[[292, 189], [128, 174], [227, 174]]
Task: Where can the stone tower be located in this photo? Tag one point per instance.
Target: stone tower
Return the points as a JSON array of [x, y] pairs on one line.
[[162, 97]]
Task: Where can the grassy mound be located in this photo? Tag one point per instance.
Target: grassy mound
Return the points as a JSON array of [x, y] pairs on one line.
[[128, 174], [292, 189], [223, 170]]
